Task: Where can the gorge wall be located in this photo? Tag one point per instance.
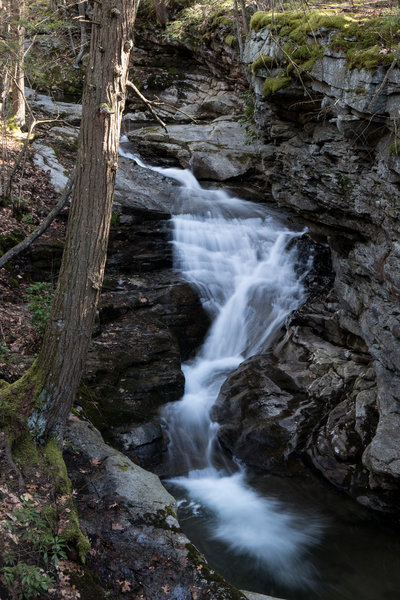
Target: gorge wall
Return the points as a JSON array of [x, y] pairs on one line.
[[332, 158]]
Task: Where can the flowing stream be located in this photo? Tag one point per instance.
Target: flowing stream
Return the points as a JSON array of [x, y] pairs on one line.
[[246, 269], [312, 543]]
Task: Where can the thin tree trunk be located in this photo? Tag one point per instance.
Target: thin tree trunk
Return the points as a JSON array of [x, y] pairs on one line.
[[244, 17], [17, 85], [238, 29], [84, 37], [4, 64], [161, 11], [62, 358]]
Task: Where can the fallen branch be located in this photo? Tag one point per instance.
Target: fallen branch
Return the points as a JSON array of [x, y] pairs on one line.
[[147, 103], [38, 232], [160, 103]]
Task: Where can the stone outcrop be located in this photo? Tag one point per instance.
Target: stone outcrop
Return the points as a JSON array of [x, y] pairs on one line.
[[335, 164], [137, 547], [149, 320], [218, 150]]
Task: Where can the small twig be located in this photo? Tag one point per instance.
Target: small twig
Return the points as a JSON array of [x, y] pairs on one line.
[[380, 88], [42, 228], [159, 102], [147, 103]]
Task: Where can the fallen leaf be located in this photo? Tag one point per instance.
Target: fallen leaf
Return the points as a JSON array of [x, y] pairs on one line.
[[125, 585], [165, 588]]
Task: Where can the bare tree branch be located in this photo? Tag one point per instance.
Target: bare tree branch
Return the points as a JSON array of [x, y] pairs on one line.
[[38, 232], [147, 103]]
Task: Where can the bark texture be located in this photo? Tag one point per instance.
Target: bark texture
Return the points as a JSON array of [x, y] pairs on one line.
[[17, 82], [69, 330]]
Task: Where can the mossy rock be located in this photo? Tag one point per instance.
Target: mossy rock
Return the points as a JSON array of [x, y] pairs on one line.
[[263, 62], [272, 85], [10, 240], [368, 42]]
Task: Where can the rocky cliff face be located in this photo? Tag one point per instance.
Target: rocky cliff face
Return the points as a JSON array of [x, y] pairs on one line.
[[333, 159]]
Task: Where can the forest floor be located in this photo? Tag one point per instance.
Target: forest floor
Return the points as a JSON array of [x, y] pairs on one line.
[[22, 310], [32, 549]]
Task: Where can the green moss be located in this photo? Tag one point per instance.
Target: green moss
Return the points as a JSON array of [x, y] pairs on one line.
[[10, 240], [50, 514], [23, 392], [368, 42], [263, 62], [274, 84], [53, 456], [25, 452], [199, 21], [229, 40], [87, 584], [122, 466], [72, 532], [370, 59], [394, 149], [213, 578], [358, 90]]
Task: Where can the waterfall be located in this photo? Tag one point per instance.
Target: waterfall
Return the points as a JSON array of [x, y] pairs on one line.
[[244, 266]]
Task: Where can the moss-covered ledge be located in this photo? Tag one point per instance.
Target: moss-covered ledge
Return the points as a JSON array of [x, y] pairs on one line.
[[39, 467], [304, 45]]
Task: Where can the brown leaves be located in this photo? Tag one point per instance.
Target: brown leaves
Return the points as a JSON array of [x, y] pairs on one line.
[[125, 585]]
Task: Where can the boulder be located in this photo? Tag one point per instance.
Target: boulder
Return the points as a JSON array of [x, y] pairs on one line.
[[219, 150], [137, 547]]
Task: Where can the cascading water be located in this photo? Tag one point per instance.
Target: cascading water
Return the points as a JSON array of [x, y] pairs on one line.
[[245, 269]]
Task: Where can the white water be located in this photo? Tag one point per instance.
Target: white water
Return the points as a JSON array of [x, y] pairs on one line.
[[238, 258]]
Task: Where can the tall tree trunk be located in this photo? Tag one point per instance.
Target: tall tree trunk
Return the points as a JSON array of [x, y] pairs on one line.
[[84, 37], [160, 6], [17, 82], [62, 358], [244, 17], [4, 56], [238, 29]]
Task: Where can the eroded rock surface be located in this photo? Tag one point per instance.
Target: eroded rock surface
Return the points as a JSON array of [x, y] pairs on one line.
[[137, 547], [334, 165]]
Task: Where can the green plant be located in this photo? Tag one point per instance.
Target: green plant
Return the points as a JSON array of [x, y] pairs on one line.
[[53, 547], [39, 296], [3, 350], [27, 219], [29, 580], [114, 219], [33, 536]]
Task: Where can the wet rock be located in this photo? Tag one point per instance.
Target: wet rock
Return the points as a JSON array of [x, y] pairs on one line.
[[259, 412], [339, 175], [254, 596], [137, 547], [149, 319], [220, 150]]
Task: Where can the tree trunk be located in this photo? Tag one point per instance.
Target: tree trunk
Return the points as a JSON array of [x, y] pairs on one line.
[[238, 29], [160, 6], [62, 358], [4, 57], [244, 17], [17, 81]]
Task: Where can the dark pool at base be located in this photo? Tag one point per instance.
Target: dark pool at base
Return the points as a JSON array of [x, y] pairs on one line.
[[357, 558]]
